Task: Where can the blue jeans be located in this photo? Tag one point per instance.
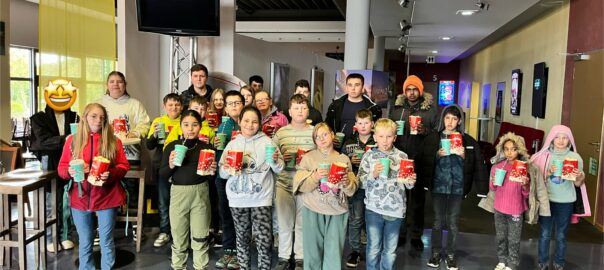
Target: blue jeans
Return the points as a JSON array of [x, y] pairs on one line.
[[558, 221], [382, 239], [163, 187], [86, 230], [356, 219]]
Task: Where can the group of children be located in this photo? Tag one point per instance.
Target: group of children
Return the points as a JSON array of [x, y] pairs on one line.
[[314, 210]]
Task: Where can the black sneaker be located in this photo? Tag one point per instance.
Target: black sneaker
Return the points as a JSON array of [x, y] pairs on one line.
[[283, 264], [451, 262], [353, 259], [417, 244], [218, 240], [299, 265], [434, 262]]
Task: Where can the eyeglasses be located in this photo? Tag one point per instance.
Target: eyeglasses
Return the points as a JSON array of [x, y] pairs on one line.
[[234, 103], [262, 100]]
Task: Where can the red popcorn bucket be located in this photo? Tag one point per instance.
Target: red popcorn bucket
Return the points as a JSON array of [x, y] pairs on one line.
[[406, 169], [268, 129], [119, 126], [568, 167], [354, 129], [368, 147], [414, 122], [203, 138], [212, 118], [456, 140], [336, 172], [234, 134], [235, 159], [206, 157], [99, 166], [519, 171], [301, 152]]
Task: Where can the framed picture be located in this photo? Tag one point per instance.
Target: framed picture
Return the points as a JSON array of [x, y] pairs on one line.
[[499, 102], [317, 77], [516, 92]]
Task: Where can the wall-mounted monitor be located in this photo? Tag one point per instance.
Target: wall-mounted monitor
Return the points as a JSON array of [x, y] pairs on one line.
[[179, 17]]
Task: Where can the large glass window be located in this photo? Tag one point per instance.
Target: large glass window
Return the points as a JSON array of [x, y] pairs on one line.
[[22, 82]]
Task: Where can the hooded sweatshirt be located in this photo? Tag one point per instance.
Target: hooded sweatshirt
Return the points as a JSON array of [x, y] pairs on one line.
[[255, 186], [559, 190]]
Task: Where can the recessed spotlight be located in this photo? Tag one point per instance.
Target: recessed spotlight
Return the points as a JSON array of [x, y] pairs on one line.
[[446, 38], [466, 12], [434, 51]]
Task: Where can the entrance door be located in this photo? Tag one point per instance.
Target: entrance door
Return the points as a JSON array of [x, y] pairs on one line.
[[474, 110], [586, 123]]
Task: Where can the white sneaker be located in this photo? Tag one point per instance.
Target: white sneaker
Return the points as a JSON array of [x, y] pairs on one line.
[[500, 266], [51, 248], [161, 240], [67, 244]]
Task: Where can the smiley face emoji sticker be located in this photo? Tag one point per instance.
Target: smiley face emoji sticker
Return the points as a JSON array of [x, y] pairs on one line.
[[60, 94]]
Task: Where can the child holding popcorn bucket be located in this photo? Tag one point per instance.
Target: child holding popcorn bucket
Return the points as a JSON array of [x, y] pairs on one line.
[[189, 193], [104, 165], [250, 187], [385, 183], [325, 180]]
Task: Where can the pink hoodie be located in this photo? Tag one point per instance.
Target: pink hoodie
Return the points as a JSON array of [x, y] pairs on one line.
[[541, 160]]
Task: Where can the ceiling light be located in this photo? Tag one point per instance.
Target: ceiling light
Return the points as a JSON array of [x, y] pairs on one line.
[[466, 12], [435, 52], [405, 26], [446, 38], [403, 3]]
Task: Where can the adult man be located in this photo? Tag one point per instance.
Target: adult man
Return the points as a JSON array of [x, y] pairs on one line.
[[413, 101], [272, 118], [49, 130], [199, 77], [256, 82], [303, 87], [341, 112]]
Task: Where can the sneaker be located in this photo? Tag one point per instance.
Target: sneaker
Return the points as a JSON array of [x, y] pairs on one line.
[[299, 265], [218, 239], [97, 238], [223, 262], [558, 267], [67, 244], [542, 266], [161, 240], [417, 244], [283, 264], [451, 262], [500, 266], [434, 262], [50, 248], [507, 268], [134, 236], [233, 262], [353, 259]]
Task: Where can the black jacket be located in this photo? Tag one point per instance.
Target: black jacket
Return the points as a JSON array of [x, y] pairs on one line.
[[334, 112], [45, 138], [313, 114], [402, 110], [187, 95]]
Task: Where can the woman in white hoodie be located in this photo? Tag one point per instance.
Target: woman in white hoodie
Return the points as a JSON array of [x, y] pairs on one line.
[[250, 190]]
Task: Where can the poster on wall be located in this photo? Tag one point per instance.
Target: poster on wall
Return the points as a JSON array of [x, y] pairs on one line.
[[465, 92], [376, 85], [280, 91], [499, 101], [317, 78], [516, 92], [446, 93]]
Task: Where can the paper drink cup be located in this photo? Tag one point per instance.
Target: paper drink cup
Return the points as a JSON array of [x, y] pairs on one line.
[[181, 151], [336, 172], [568, 167], [268, 153], [446, 145], [222, 138], [414, 122], [161, 134], [559, 166], [212, 119], [369, 147], [119, 125], [340, 137], [234, 134], [78, 166], [400, 127], [291, 164], [73, 127], [519, 170], [268, 129], [406, 169], [359, 153], [324, 166], [300, 154], [235, 159], [499, 176], [206, 157], [99, 166], [386, 163], [224, 119]]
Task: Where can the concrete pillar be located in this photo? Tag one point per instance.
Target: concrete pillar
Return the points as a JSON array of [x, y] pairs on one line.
[[379, 44], [357, 31], [5, 132]]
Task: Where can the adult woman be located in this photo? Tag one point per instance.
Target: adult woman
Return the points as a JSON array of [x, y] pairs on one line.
[[325, 212], [248, 95], [100, 196]]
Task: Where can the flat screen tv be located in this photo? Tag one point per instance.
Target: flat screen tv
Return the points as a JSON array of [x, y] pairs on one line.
[[179, 17]]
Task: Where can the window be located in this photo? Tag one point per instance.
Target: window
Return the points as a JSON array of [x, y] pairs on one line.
[[22, 83]]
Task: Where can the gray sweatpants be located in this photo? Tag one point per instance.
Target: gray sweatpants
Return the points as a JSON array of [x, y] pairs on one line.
[[508, 229]]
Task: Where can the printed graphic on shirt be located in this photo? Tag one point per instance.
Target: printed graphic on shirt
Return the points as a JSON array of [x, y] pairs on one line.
[[245, 183]]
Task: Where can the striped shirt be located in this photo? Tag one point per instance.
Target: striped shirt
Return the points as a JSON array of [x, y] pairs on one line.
[[289, 139]]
